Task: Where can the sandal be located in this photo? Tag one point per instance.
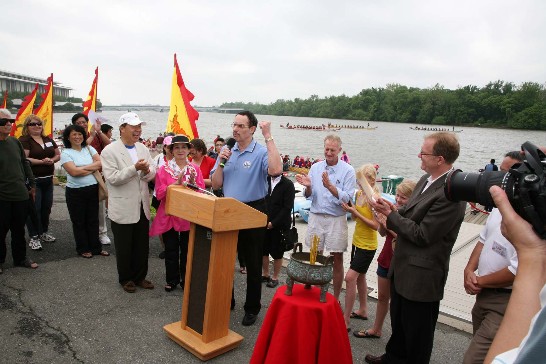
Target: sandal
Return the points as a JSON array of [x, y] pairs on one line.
[[86, 255], [169, 287], [242, 270], [357, 316], [104, 253], [365, 335], [27, 263]]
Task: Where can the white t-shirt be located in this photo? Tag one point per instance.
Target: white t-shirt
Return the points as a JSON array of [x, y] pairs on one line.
[[497, 252]]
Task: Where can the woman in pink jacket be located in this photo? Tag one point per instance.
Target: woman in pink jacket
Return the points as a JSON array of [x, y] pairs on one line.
[[174, 230]]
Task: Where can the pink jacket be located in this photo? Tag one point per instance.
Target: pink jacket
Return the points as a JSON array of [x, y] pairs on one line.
[[163, 222]]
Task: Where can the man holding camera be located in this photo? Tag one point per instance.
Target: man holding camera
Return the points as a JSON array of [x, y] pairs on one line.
[[497, 262], [427, 227]]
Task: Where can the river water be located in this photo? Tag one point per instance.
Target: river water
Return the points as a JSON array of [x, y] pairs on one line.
[[394, 146]]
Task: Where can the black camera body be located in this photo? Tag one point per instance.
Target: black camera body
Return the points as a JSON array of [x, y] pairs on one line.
[[524, 184]]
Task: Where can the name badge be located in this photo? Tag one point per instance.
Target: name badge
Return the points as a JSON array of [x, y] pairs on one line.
[[499, 249], [48, 144]]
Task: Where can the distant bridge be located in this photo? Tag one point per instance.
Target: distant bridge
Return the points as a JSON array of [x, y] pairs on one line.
[[160, 108]]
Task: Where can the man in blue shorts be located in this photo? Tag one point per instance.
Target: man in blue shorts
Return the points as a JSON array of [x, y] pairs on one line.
[[244, 177], [329, 183]]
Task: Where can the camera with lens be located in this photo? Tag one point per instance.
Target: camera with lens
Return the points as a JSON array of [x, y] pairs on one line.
[[524, 184]]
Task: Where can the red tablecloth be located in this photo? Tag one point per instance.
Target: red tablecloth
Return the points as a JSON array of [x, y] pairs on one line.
[[300, 329]]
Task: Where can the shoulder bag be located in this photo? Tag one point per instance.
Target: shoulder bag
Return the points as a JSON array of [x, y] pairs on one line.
[[103, 190], [290, 236]]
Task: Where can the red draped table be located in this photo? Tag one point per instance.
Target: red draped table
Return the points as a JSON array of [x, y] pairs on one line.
[[300, 329]]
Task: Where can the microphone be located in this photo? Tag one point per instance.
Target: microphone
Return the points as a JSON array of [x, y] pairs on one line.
[[191, 186], [230, 143]]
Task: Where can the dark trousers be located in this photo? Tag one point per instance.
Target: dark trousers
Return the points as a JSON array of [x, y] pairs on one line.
[[132, 247], [13, 215], [413, 325], [43, 201], [176, 256], [250, 244], [83, 208]]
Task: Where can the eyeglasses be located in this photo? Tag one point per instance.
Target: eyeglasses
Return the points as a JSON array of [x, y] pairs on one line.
[[239, 126], [432, 154], [4, 121], [34, 124]]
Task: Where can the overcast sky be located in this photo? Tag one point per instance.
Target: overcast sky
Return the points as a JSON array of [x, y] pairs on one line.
[[258, 51]]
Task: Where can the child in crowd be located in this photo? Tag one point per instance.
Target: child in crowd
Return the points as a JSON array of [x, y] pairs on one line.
[[403, 193]]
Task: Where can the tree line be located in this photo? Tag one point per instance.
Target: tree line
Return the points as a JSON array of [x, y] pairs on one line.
[[498, 104]]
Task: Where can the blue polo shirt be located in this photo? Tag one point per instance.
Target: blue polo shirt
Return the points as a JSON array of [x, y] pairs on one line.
[[245, 173], [342, 175]]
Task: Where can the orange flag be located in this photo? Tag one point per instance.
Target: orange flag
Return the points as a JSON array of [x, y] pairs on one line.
[[5, 103], [24, 111], [45, 110], [182, 115], [91, 102]]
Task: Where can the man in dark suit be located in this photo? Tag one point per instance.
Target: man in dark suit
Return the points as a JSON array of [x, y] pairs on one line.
[[427, 228], [280, 201]]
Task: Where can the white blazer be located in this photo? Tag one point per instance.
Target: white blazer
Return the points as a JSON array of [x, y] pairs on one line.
[[127, 187]]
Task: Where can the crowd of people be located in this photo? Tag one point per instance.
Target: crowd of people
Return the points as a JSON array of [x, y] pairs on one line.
[[420, 228]]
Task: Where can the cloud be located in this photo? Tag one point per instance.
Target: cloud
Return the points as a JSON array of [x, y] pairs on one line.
[[253, 51]]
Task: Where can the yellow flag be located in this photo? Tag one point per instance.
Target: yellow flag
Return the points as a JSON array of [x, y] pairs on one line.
[[24, 111], [45, 110], [91, 102], [182, 115]]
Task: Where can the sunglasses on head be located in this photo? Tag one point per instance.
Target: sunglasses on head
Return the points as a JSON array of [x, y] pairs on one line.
[[4, 121], [34, 124]]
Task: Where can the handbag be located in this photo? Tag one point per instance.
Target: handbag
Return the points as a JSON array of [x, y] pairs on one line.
[[103, 190], [290, 236]]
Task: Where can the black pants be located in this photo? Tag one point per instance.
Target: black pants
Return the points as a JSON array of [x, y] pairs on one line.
[[13, 215], [43, 201], [176, 256], [83, 208], [132, 247], [413, 325], [250, 244]]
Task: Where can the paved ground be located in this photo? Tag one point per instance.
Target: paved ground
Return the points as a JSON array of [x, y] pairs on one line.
[[71, 310]]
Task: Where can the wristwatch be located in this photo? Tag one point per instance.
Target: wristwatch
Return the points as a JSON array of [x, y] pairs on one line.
[[269, 139]]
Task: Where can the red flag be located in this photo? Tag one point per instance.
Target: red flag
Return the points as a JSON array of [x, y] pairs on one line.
[[91, 102], [24, 111], [182, 115], [45, 110], [5, 103]]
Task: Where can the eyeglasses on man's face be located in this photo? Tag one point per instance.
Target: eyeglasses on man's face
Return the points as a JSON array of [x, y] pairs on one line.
[[239, 126], [421, 153]]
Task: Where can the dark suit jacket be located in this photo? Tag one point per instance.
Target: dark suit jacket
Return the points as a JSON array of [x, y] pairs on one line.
[[427, 228], [280, 203]]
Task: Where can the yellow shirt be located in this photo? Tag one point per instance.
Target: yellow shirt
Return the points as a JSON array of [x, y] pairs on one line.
[[364, 237]]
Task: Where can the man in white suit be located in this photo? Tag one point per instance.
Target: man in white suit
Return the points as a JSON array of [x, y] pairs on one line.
[[127, 167]]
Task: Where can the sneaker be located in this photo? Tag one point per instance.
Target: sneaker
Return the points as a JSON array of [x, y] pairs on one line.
[[35, 243], [104, 239], [47, 238]]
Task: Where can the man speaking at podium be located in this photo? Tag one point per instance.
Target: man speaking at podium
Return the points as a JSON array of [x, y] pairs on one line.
[[242, 173]]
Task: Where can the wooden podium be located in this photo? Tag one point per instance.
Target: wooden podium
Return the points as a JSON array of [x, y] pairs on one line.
[[215, 224]]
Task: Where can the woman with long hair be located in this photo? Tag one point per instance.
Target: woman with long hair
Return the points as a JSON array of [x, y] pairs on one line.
[[42, 153], [403, 193], [82, 191], [174, 230], [364, 243]]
